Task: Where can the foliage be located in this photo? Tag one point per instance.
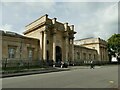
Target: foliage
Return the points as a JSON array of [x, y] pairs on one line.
[[114, 43]]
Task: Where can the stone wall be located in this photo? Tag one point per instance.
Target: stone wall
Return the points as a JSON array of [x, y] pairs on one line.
[[84, 54], [95, 43], [21, 45]]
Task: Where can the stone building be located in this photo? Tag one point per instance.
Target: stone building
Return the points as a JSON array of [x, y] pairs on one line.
[[97, 44], [0, 45], [83, 54], [48, 39], [18, 47], [56, 38]]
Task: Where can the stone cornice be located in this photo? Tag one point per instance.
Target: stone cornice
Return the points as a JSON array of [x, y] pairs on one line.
[[34, 28]]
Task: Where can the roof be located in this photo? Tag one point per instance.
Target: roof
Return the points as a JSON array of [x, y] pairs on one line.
[[13, 34], [84, 47], [85, 38], [36, 20]]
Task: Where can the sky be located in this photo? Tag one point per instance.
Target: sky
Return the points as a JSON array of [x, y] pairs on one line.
[[91, 19]]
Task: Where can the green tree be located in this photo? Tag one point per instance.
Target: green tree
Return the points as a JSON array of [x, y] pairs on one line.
[[113, 45]]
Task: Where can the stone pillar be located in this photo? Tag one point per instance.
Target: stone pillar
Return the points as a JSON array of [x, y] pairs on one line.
[[1, 47], [72, 47], [104, 53], [72, 41], [54, 48], [66, 41], [54, 40], [44, 46], [66, 48], [41, 44]]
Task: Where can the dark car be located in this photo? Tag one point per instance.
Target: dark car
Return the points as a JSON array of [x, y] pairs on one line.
[[61, 64], [65, 65], [58, 64]]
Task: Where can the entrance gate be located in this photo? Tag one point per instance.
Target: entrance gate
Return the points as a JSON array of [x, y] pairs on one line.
[[58, 54]]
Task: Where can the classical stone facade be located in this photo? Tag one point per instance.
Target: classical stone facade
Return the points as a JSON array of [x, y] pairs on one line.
[[0, 45], [97, 44], [56, 39], [18, 47], [48, 39], [83, 54]]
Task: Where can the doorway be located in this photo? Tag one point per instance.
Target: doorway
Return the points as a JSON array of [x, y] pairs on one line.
[[58, 54]]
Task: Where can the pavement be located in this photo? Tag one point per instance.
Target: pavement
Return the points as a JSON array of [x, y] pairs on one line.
[[41, 71], [33, 71], [77, 77]]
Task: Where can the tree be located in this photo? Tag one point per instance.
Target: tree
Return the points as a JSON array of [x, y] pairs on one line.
[[113, 45]]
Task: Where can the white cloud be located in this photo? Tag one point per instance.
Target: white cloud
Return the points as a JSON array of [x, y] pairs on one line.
[[43, 6], [60, 0], [90, 19], [27, 0], [103, 23]]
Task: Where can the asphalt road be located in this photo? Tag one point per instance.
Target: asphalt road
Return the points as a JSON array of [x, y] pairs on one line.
[[100, 77]]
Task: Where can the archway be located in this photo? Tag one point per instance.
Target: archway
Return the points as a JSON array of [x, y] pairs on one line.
[[58, 54]]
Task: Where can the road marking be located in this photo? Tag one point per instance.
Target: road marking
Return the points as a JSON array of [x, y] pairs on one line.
[[111, 81]]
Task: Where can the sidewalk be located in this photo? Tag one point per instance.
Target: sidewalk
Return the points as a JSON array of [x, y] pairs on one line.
[[43, 70], [82, 67], [34, 71]]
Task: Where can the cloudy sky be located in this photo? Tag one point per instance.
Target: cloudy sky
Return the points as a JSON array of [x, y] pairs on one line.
[[91, 19]]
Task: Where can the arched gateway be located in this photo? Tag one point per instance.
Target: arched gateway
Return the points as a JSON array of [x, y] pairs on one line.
[[56, 38], [58, 54]]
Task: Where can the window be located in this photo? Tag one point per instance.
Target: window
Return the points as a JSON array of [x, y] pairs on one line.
[[30, 53], [84, 56], [90, 57], [78, 55], [11, 51]]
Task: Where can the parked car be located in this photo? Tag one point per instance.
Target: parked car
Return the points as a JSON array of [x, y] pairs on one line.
[[58, 64], [65, 65], [61, 64]]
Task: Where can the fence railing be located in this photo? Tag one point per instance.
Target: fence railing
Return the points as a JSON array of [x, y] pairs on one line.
[[88, 62], [17, 64]]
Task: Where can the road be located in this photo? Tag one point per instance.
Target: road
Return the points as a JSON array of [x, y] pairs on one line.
[[103, 77]]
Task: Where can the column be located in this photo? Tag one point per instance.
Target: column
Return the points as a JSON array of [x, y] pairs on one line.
[[44, 46], [66, 41], [41, 44], [72, 49], [54, 47], [66, 48], [72, 41], [54, 40], [104, 54]]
